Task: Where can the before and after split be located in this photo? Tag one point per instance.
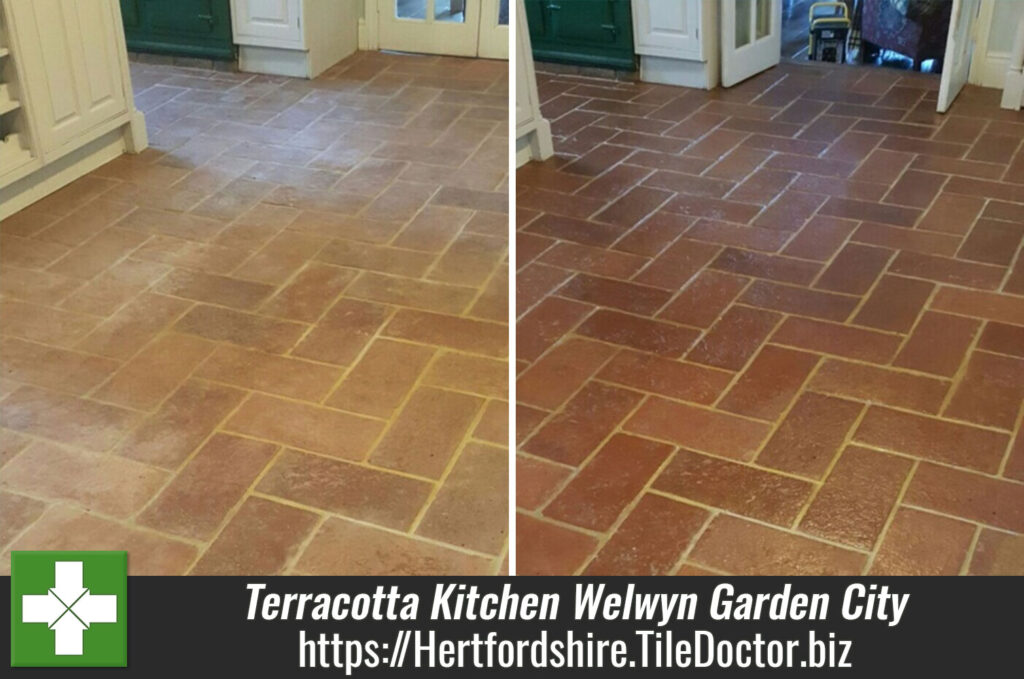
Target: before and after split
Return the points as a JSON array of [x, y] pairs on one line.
[[493, 287]]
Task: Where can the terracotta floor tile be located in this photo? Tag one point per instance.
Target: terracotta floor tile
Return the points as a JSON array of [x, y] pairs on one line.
[[856, 498], [106, 293], [66, 419], [894, 304], [640, 333], [359, 492], [938, 344], [53, 368], [1002, 338], [771, 381], [537, 480], [144, 381], [66, 528], [650, 540], [379, 382], [346, 548], [306, 426], [471, 507], [998, 554], [427, 431], [237, 327], [988, 305], [548, 549], [880, 385], [19, 513], [262, 538], [990, 392], [737, 488], [103, 483], [585, 420], [933, 439], [615, 294], [252, 369], [831, 338], [479, 337], [918, 543], [196, 501], [732, 340], [810, 436], [551, 380], [603, 488], [947, 270], [760, 265], [709, 431], [746, 548], [702, 301], [801, 301], [675, 379], [185, 419], [45, 324], [309, 293]]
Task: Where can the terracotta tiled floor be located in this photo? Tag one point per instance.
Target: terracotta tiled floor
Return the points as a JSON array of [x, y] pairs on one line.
[[772, 329], [276, 341]]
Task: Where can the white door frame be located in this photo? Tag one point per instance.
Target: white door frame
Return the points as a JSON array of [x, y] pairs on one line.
[[494, 37], [759, 54]]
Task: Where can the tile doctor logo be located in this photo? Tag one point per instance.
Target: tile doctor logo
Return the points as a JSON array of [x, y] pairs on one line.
[[69, 609]]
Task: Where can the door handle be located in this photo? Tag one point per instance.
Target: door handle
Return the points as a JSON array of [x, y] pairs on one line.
[[611, 28], [208, 18]]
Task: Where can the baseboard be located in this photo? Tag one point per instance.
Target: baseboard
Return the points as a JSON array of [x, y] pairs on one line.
[[61, 172]]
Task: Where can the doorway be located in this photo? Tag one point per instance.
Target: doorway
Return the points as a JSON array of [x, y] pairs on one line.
[[462, 28]]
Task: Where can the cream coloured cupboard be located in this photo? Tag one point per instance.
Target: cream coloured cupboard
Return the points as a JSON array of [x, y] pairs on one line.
[[300, 38], [677, 41], [68, 96]]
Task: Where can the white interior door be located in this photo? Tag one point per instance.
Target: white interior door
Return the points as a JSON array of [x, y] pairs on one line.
[[494, 29], [430, 26], [956, 65], [751, 38]]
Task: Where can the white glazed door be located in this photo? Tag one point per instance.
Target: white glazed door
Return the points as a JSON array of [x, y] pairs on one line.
[[959, 47], [430, 26], [667, 28], [271, 23], [494, 29], [751, 38], [72, 73]]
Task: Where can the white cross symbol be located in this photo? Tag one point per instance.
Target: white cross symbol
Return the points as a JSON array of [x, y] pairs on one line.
[[68, 608]]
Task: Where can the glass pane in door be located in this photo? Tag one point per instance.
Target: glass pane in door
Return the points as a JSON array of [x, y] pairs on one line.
[[744, 18], [453, 11], [411, 9], [503, 13], [764, 18]]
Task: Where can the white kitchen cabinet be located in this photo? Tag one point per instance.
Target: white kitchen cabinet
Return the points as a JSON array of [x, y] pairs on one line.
[[301, 38], [677, 41], [533, 132], [667, 28], [268, 22], [66, 103], [69, 56]]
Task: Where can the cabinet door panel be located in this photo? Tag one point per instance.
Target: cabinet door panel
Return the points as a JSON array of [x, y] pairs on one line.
[[69, 57], [667, 28], [274, 23]]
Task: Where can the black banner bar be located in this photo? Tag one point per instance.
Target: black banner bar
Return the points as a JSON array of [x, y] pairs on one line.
[[373, 627]]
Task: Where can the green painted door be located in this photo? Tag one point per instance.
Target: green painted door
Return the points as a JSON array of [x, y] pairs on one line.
[[192, 28], [587, 32]]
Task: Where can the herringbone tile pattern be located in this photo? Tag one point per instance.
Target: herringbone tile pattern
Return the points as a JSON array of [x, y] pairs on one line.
[[275, 342], [775, 329]]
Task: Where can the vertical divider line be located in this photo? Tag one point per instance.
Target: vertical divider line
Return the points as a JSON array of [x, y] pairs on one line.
[[512, 28]]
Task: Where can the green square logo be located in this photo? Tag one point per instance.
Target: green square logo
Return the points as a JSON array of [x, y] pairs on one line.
[[69, 609]]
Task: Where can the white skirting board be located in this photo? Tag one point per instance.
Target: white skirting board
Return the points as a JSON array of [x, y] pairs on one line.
[[61, 172]]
